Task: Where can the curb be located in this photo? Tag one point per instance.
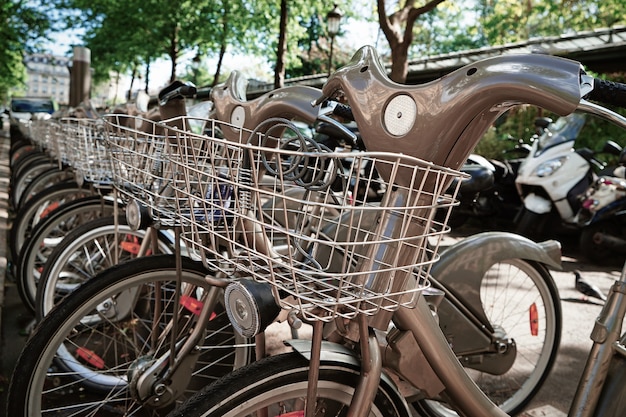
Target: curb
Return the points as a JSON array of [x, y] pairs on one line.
[[5, 176]]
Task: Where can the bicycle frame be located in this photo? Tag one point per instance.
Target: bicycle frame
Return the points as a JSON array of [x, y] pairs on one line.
[[489, 88], [484, 96]]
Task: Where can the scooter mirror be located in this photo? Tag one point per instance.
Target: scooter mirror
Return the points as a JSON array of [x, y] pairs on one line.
[[612, 148], [542, 122]]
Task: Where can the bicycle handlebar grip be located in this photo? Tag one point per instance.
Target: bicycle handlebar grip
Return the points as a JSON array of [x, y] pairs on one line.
[[343, 110], [203, 93], [187, 90], [608, 92]]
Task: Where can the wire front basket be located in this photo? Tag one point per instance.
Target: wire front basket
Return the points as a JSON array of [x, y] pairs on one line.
[[335, 233], [48, 136], [87, 152], [139, 149]]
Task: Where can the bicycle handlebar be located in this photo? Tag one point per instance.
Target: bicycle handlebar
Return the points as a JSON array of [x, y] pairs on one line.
[[177, 89], [230, 105], [443, 120]]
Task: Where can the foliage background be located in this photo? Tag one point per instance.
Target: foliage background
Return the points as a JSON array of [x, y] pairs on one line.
[[128, 36]]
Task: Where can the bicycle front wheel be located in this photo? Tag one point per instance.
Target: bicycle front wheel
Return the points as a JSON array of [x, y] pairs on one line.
[[522, 303], [90, 356], [86, 251], [278, 384]]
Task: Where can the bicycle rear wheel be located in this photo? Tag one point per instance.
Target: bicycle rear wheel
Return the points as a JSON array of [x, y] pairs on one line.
[[522, 302], [86, 357]]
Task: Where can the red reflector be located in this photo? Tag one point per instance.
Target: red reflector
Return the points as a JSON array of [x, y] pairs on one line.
[[534, 320], [90, 357], [49, 209], [191, 304], [130, 247]]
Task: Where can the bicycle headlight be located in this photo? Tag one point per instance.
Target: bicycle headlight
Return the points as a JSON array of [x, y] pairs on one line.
[[250, 306], [550, 167], [137, 216]]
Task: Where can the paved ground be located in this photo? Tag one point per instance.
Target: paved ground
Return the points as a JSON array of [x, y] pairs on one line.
[[552, 399]]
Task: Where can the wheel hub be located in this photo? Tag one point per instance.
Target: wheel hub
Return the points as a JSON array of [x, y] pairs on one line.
[[145, 386]]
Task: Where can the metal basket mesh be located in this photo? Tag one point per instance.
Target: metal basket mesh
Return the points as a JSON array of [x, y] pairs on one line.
[[335, 233], [87, 153], [140, 153]]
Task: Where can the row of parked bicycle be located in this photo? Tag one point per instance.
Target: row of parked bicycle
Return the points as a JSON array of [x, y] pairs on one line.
[[158, 248]]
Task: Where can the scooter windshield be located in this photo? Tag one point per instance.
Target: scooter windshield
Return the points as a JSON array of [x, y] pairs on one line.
[[565, 129]]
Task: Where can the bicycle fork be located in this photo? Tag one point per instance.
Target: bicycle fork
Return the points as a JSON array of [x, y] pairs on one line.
[[417, 351], [606, 344]]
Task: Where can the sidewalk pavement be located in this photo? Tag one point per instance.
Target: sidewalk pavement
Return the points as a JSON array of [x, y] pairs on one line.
[[6, 360], [5, 177]]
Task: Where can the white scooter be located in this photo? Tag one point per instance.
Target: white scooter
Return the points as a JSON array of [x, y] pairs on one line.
[[554, 175]]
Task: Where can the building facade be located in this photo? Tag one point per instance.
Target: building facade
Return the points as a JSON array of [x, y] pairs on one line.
[[48, 76]]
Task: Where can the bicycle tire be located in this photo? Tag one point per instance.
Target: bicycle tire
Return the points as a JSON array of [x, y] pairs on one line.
[[38, 207], [85, 252], [284, 378], [19, 147], [597, 253], [29, 162], [508, 309], [46, 178], [25, 157], [48, 375], [26, 176], [47, 235]]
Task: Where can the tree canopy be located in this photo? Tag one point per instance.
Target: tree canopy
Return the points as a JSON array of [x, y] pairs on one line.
[[128, 36], [22, 25]]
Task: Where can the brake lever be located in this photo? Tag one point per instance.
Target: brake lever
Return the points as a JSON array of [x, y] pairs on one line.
[[323, 116]]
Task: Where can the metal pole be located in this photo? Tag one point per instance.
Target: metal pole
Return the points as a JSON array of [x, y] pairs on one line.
[[330, 58], [80, 76]]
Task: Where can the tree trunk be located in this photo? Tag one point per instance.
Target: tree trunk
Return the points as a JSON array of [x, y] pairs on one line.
[[279, 71], [173, 53], [398, 29], [224, 44], [147, 77], [129, 95], [399, 63]]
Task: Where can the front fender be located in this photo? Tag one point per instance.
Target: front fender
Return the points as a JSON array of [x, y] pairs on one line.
[[470, 258], [461, 268], [338, 353]]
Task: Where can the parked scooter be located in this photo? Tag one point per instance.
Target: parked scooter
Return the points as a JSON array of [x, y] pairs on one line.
[[602, 216], [554, 175], [489, 193]]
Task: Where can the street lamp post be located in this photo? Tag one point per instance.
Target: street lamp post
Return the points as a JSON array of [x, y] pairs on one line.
[[332, 26]]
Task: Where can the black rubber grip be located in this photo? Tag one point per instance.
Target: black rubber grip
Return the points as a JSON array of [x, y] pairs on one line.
[[608, 92], [187, 90], [343, 110], [203, 93]]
